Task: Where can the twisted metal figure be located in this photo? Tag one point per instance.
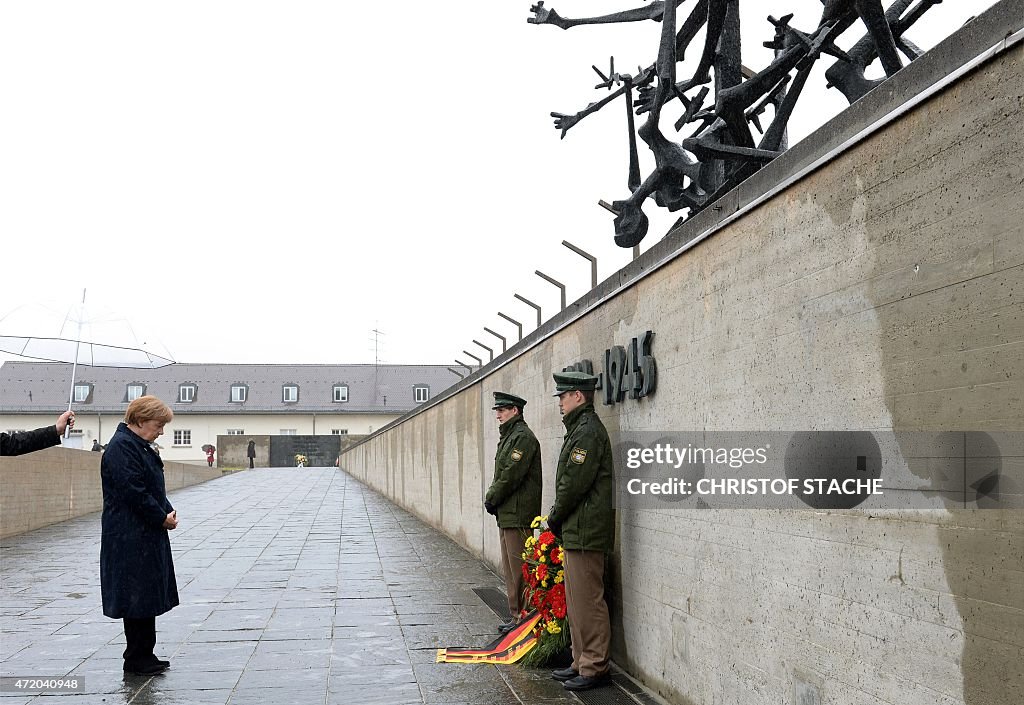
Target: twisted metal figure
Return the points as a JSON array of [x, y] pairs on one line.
[[694, 171]]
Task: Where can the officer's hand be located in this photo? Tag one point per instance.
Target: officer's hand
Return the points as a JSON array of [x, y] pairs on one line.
[[171, 522], [491, 509]]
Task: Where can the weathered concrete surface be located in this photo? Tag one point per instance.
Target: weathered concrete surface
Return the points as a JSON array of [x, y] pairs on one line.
[[58, 484], [882, 292], [232, 451]]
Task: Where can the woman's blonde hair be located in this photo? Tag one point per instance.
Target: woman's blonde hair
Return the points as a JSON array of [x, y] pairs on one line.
[[145, 409]]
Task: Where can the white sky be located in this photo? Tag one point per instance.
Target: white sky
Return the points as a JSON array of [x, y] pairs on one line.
[[260, 182]]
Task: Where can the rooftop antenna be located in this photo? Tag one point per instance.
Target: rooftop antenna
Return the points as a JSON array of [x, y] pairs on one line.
[[376, 361]]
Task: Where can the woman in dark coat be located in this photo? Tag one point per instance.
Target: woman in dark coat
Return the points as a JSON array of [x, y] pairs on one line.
[[136, 569]]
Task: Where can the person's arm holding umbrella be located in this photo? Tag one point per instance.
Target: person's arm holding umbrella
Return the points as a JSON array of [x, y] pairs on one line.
[[21, 442]]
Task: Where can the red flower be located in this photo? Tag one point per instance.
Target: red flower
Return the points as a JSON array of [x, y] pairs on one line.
[[556, 555], [542, 571], [547, 537], [557, 594]]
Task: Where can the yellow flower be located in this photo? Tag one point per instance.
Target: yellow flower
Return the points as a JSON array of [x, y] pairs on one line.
[[558, 578], [537, 522], [543, 559], [523, 555], [543, 583], [552, 627], [531, 542], [543, 547]]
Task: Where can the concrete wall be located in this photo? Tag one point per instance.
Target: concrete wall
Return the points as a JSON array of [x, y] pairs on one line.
[[233, 451], [883, 291], [58, 484]]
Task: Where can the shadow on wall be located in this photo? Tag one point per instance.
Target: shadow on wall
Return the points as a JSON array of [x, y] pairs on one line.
[[951, 340]]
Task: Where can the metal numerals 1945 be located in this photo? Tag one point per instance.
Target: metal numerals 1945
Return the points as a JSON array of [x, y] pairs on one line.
[[629, 369]]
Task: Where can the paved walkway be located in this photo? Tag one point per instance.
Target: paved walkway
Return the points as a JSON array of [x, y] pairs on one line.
[[297, 587]]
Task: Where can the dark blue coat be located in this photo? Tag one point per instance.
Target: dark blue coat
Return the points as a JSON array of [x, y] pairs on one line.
[[136, 568]]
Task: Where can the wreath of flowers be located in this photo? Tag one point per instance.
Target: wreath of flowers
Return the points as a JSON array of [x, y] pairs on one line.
[[300, 460], [545, 575]]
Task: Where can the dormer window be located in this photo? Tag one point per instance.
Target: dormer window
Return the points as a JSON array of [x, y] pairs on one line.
[[186, 393], [239, 393], [340, 393], [290, 393], [420, 393], [135, 390], [82, 393]]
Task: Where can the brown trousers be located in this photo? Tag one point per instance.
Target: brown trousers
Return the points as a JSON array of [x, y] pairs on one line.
[[587, 611], [512, 541]]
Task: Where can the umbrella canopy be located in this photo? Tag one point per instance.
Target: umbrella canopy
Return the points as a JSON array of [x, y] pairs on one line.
[[81, 337], [207, 448], [85, 352]]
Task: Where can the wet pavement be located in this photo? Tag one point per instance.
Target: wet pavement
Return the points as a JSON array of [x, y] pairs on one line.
[[296, 587]]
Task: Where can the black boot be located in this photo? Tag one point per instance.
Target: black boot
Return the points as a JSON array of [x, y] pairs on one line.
[[565, 674]]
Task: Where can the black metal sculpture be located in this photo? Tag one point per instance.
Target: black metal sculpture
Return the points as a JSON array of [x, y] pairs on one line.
[[694, 171]]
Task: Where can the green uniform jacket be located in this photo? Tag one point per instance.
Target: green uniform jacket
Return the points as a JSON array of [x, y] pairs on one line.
[[584, 483], [518, 480]]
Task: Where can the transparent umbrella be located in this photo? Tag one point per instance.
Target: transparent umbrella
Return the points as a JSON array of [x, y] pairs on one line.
[[80, 337]]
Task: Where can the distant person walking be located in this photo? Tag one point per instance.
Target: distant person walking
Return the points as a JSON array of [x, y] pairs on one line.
[[209, 456], [21, 442], [136, 569], [251, 452], [96, 447], [514, 496]]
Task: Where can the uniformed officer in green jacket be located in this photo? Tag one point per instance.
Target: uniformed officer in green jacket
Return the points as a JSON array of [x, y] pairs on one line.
[[514, 495], [584, 516]]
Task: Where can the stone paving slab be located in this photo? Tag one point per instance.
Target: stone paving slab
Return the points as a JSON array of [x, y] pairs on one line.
[[296, 586]]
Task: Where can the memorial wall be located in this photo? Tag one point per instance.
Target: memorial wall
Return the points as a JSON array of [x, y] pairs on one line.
[[879, 292]]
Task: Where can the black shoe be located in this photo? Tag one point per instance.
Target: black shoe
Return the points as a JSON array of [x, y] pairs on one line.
[[154, 661], [149, 669], [506, 627], [565, 674], [587, 682]]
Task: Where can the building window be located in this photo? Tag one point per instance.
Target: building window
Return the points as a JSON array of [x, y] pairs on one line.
[[182, 437], [239, 392], [135, 391], [82, 392], [421, 394], [289, 432], [340, 392], [289, 394], [236, 431], [339, 431], [186, 393]]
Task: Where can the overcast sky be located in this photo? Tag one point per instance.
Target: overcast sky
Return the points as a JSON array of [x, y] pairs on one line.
[[267, 182]]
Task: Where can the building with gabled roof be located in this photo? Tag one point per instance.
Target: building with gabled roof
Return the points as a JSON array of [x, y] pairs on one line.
[[219, 399]]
